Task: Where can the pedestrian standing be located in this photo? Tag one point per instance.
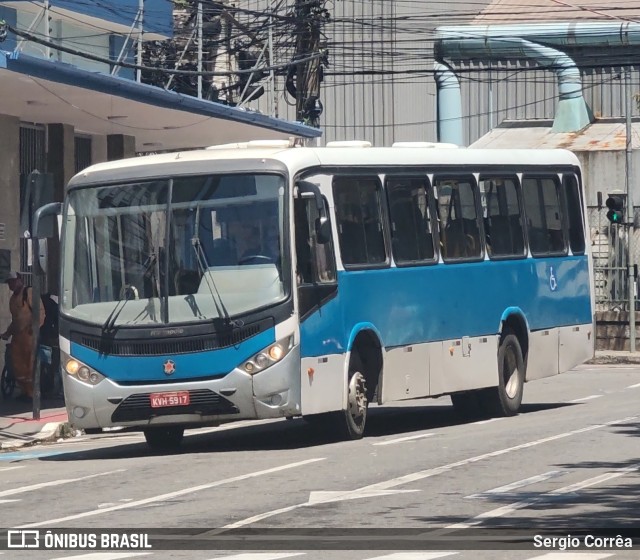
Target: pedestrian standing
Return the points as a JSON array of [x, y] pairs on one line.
[[21, 332]]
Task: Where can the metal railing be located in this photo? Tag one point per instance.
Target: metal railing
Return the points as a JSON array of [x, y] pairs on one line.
[[610, 251]]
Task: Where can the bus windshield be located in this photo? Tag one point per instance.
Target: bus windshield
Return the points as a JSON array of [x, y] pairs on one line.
[[174, 250]]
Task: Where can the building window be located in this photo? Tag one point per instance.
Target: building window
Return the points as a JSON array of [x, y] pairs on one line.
[[82, 152]]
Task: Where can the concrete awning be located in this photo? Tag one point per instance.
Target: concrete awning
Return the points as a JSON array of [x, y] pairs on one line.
[[39, 91]]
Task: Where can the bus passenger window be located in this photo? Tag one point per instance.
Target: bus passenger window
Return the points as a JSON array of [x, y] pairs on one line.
[[544, 215], [458, 218], [411, 236], [359, 216], [504, 235], [574, 212]]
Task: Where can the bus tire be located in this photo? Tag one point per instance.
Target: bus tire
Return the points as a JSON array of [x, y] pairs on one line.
[[164, 438], [506, 398], [354, 418], [346, 424]]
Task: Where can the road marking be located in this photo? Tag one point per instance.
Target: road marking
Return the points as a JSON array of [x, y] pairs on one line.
[[260, 556], [170, 495], [11, 468], [590, 397], [506, 510], [572, 556], [487, 421], [634, 386], [413, 556], [519, 484], [105, 556], [24, 455], [400, 440], [420, 475], [59, 482], [9, 501], [338, 496]]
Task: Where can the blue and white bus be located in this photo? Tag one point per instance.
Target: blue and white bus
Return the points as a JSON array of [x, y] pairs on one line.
[[264, 280]]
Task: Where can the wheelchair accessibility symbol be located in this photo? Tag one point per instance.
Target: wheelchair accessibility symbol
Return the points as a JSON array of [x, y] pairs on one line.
[[553, 283]]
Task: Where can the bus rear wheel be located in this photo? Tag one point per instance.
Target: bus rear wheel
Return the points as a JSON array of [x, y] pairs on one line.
[[506, 398], [165, 438]]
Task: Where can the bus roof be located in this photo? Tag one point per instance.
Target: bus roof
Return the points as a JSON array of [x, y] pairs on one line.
[[298, 158]]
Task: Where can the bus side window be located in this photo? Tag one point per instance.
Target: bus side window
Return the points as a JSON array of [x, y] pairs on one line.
[[411, 236], [574, 213], [502, 216], [359, 216], [544, 215], [316, 264], [458, 218]]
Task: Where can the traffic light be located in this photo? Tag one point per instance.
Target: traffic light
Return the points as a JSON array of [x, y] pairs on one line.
[[615, 204]]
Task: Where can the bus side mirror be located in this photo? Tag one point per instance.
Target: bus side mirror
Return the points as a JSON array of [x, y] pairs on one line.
[[323, 230], [323, 226], [40, 245], [43, 251]]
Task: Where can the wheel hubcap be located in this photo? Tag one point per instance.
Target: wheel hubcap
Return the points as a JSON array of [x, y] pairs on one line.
[[511, 373], [357, 397]]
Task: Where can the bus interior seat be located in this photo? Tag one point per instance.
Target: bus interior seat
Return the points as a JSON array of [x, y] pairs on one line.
[[499, 234]]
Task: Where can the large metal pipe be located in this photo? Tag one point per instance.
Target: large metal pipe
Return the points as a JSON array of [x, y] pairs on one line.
[[537, 42], [449, 99]]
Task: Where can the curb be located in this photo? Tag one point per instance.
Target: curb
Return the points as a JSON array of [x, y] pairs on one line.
[[613, 360], [50, 432]]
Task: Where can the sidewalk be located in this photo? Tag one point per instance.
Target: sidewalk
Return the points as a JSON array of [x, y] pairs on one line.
[[615, 357], [18, 429]]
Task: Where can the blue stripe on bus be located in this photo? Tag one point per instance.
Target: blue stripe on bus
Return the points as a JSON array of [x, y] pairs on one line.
[[213, 363], [425, 304]]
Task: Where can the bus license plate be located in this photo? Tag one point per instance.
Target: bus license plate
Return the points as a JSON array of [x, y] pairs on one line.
[[176, 398]]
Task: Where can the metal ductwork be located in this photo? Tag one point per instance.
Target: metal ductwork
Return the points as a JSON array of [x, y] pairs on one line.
[[449, 105], [539, 42]]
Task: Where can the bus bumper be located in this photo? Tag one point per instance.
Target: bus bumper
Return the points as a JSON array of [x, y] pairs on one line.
[[272, 393]]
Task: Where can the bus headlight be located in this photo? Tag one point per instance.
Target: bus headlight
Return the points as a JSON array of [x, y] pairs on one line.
[[80, 371], [269, 356]]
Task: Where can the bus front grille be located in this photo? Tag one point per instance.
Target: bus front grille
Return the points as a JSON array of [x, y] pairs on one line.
[[172, 347], [201, 401]]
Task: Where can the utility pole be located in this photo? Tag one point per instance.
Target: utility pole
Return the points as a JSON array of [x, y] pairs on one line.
[[199, 50], [47, 29], [140, 33], [630, 212], [310, 16], [273, 91]]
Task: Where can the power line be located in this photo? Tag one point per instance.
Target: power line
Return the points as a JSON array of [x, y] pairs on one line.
[[124, 64]]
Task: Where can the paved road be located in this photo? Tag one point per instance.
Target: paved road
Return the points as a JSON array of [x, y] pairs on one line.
[[569, 461]]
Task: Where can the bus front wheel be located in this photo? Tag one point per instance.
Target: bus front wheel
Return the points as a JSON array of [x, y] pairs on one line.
[[506, 398], [355, 417], [350, 423], [164, 438]]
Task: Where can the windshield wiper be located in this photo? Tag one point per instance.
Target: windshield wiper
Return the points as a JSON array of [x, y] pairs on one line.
[[203, 267], [107, 327]]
